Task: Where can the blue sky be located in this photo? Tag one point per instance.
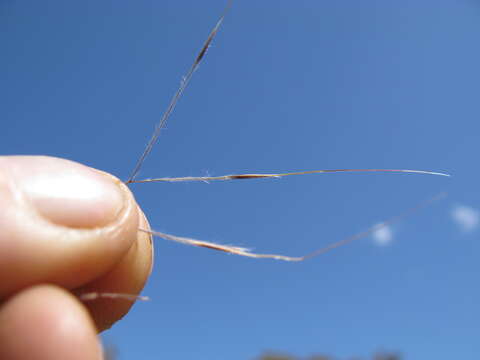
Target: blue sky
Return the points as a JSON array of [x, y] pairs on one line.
[[287, 85]]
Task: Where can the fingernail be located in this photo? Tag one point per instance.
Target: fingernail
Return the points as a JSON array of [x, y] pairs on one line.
[[75, 196]]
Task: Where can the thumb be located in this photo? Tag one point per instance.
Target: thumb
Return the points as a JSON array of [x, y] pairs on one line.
[[67, 224]]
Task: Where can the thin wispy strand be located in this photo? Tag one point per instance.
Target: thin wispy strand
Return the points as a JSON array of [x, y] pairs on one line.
[[266, 176], [236, 250], [178, 94]]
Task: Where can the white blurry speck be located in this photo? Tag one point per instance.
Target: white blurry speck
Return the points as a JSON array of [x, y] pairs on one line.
[[383, 236], [466, 218]]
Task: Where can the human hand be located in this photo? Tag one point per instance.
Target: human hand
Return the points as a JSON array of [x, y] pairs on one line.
[[65, 229]]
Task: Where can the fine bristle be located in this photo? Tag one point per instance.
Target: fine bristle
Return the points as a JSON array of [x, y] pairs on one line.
[[114, 296], [178, 94], [279, 175], [246, 252]]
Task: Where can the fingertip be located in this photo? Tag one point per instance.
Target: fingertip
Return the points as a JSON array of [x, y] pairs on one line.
[[46, 246], [45, 322]]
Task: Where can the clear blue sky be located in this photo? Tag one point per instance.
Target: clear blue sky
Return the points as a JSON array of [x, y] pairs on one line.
[[287, 85]]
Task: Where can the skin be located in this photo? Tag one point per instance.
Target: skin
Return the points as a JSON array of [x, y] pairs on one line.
[[65, 230]]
